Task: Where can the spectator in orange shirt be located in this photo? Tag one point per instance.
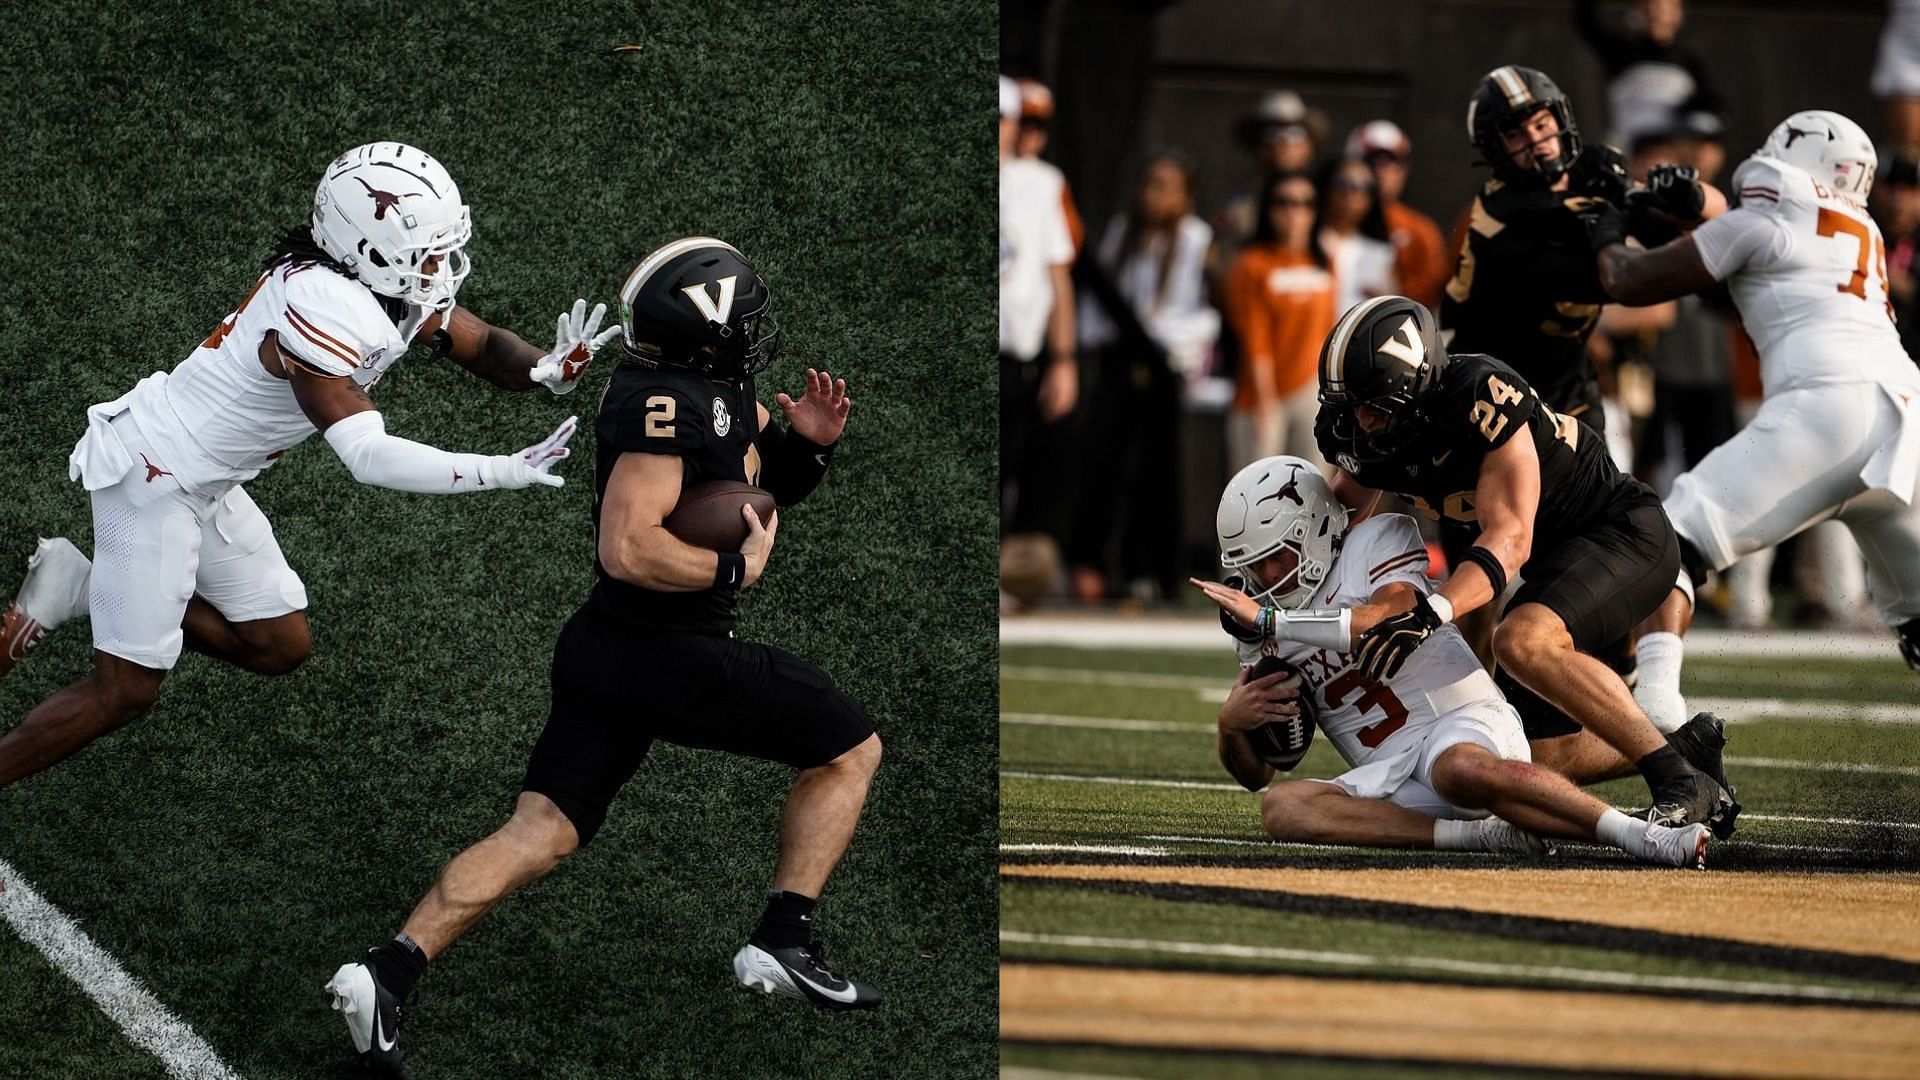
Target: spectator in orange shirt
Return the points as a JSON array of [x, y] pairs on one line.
[[1422, 261], [1280, 299]]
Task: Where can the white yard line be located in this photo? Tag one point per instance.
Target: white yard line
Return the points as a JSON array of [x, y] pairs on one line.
[[1081, 849], [1199, 785], [148, 1023], [1588, 976], [1201, 632]]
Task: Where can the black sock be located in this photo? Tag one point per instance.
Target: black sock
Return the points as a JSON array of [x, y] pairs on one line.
[[397, 964], [1663, 765], [787, 923]]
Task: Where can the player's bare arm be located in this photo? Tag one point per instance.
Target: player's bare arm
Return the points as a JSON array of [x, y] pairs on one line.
[[508, 361], [1507, 498], [1671, 270], [635, 546]]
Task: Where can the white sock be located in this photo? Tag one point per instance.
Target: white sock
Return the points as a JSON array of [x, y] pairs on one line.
[[1456, 835], [1658, 689], [1616, 829]]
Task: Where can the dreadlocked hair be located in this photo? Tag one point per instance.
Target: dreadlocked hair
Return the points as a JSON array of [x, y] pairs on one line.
[[298, 245]]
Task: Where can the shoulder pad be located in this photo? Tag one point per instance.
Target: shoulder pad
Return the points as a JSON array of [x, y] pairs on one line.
[[328, 322], [1770, 186], [1385, 546], [653, 412]]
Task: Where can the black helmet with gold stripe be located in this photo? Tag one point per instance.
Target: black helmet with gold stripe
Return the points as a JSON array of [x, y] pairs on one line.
[[1501, 125]]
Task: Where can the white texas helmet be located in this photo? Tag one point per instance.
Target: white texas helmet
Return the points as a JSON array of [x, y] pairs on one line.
[[1827, 146], [1281, 502], [384, 209]]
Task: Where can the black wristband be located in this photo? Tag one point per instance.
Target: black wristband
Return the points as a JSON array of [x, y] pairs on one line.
[[1485, 560], [732, 571]]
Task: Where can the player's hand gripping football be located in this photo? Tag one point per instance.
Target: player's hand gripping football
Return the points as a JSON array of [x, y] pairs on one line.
[[758, 546], [821, 413], [1253, 702], [530, 466], [575, 339], [1382, 650]]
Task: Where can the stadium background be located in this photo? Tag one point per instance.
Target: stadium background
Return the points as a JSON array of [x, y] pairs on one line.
[[247, 836], [1150, 927]]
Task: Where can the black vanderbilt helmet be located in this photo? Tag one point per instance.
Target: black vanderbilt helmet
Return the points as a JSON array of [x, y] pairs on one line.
[[696, 304], [1384, 353], [1505, 98]]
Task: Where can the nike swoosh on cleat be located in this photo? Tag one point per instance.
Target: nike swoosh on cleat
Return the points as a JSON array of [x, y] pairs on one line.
[[379, 1038], [846, 995], [822, 459]]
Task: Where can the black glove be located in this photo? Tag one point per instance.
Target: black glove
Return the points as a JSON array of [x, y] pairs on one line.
[[1673, 190], [1383, 649], [1601, 172], [1605, 225]]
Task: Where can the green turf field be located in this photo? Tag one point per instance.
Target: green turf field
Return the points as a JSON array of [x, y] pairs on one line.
[[245, 838], [1108, 764]]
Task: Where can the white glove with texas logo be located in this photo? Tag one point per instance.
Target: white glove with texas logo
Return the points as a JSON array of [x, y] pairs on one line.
[[575, 339]]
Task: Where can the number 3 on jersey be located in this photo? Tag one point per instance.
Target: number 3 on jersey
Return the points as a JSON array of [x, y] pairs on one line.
[[1373, 695]]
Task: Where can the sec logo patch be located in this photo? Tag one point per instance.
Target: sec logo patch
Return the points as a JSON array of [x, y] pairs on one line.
[[722, 420]]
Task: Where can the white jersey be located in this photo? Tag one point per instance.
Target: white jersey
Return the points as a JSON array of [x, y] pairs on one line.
[[1368, 719], [1808, 270], [220, 417]]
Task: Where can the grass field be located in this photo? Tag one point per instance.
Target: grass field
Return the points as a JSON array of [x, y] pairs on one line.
[[1149, 929], [247, 836]]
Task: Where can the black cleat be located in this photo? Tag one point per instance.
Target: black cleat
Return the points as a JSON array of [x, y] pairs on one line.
[[1701, 741], [1909, 632], [800, 972], [1688, 800], [372, 1015]]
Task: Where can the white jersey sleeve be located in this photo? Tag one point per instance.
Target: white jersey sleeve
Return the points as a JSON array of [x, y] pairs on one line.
[[1740, 238], [331, 325], [1812, 291], [1391, 550]]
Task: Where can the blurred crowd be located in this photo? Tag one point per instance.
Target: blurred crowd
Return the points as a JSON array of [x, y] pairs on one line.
[[1167, 347]]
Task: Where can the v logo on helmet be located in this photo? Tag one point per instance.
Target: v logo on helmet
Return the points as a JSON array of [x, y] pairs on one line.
[[715, 312], [1405, 345]]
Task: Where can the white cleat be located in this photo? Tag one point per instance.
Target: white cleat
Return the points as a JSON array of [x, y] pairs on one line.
[[800, 973], [55, 590], [1500, 836], [1685, 846]]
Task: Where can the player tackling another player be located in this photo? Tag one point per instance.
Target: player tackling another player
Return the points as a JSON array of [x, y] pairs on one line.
[[182, 555], [1838, 432], [651, 654], [1434, 747]]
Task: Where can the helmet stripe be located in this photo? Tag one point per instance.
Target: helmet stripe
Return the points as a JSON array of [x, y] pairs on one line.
[[652, 263], [1333, 376], [1512, 85]]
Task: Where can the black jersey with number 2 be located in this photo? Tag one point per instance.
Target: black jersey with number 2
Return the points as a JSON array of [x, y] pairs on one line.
[[711, 426], [1478, 405]]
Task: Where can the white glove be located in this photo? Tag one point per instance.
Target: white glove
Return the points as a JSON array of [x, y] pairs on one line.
[[529, 466], [574, 343]]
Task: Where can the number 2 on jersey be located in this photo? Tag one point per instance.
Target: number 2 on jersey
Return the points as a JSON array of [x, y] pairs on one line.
[[1835, 223], [1374, 695]]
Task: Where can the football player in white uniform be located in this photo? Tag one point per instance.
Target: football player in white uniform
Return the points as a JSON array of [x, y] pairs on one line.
[[1434, 748], [182, 555], [1838, 432]]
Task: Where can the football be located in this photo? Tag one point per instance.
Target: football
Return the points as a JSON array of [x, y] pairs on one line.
[[708, 515], [1282, 743]]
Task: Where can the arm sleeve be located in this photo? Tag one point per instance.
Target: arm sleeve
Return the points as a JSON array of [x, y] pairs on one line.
[[1742, 237], [792, 466], [378, 459]]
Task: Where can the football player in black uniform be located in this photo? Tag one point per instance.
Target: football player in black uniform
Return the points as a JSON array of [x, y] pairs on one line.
[[1519, 489], [651, 654], [1525, 288]]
